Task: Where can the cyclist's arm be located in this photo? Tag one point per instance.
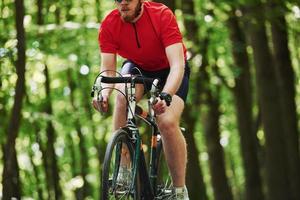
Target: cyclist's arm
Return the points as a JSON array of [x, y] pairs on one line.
[[175, 57], [108, 62]]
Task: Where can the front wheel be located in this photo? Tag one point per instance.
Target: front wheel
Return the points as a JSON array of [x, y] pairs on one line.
[[118, 169]]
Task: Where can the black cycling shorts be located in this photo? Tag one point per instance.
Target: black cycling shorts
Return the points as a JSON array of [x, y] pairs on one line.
[[129, 67]]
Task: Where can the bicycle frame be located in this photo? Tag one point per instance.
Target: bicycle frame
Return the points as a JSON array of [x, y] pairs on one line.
[[139, 161], [149, 177]]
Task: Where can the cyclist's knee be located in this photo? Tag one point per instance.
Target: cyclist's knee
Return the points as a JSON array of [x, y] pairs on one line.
[[167, 125]]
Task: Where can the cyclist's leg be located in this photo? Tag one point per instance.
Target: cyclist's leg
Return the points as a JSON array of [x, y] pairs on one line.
[[119, 116], [173, 141]]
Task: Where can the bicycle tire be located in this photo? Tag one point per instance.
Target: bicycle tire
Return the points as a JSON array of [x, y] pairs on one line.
[[164, 181], [111, 188]]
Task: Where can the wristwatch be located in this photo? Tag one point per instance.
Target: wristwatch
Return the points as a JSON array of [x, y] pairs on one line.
[[166, 97]]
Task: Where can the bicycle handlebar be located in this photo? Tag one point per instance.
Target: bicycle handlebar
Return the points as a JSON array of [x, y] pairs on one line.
[[154, 91], [129, 79]]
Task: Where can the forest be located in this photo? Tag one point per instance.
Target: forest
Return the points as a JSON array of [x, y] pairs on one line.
[[241, 117]]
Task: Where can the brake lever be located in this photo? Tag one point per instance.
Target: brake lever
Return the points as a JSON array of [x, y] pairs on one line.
[[153, 101], [154, 92], [99, 96], [97, 88]]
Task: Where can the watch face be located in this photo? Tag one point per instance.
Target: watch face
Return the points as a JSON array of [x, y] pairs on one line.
[[167, 97]]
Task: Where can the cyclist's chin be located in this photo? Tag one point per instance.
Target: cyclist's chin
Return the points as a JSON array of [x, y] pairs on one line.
[[127, 17]]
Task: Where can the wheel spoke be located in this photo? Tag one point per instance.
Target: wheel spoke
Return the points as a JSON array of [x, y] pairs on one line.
[[118, 170]]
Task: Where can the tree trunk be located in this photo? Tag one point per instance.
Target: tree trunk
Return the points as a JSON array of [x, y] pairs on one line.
[[68, 7], [52, 168], [269, 99], [83, 162], [170, 3], [98, 10], [3, 114], [194, 176], [48, 181], [35, 138], [195, 182], [10, 176], [74, 171], [11, 183], [45, 163], [217, 167], [57, 14], [243, 103], [82, 192], [83, 14], [190, 24], [40, 19], [285, 75], [101, 144], [36, 175]]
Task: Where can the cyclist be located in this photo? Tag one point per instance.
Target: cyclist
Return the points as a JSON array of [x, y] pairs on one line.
[[146, 34]]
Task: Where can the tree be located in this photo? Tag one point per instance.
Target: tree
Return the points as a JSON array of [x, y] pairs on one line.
[[194, 175], [286, 80], [215, 151], [82, 193], [170, 3], [11, 181], [40, 18], [50, 159], [242, 92], [269, 99]]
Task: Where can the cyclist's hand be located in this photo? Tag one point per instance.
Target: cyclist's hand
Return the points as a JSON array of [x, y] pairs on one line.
[[101, 105], [159, 107]]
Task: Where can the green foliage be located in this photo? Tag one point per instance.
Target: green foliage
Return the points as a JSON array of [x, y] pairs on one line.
[[70, 51]]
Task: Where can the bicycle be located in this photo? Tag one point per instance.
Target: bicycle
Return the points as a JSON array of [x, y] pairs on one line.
[[144, 183]]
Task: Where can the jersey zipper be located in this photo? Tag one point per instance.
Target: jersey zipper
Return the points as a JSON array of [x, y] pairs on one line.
[[136, 36]]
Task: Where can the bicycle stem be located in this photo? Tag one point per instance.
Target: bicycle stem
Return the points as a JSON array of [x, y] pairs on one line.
[[131, 100]]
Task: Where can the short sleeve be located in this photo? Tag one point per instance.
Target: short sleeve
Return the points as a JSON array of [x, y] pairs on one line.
[[170, 33], [106, 42]]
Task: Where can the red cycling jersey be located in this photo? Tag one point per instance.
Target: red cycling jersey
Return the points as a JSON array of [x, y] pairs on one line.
[[144, 41]]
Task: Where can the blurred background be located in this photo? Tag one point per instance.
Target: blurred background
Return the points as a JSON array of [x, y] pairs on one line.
[[241, 116]]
